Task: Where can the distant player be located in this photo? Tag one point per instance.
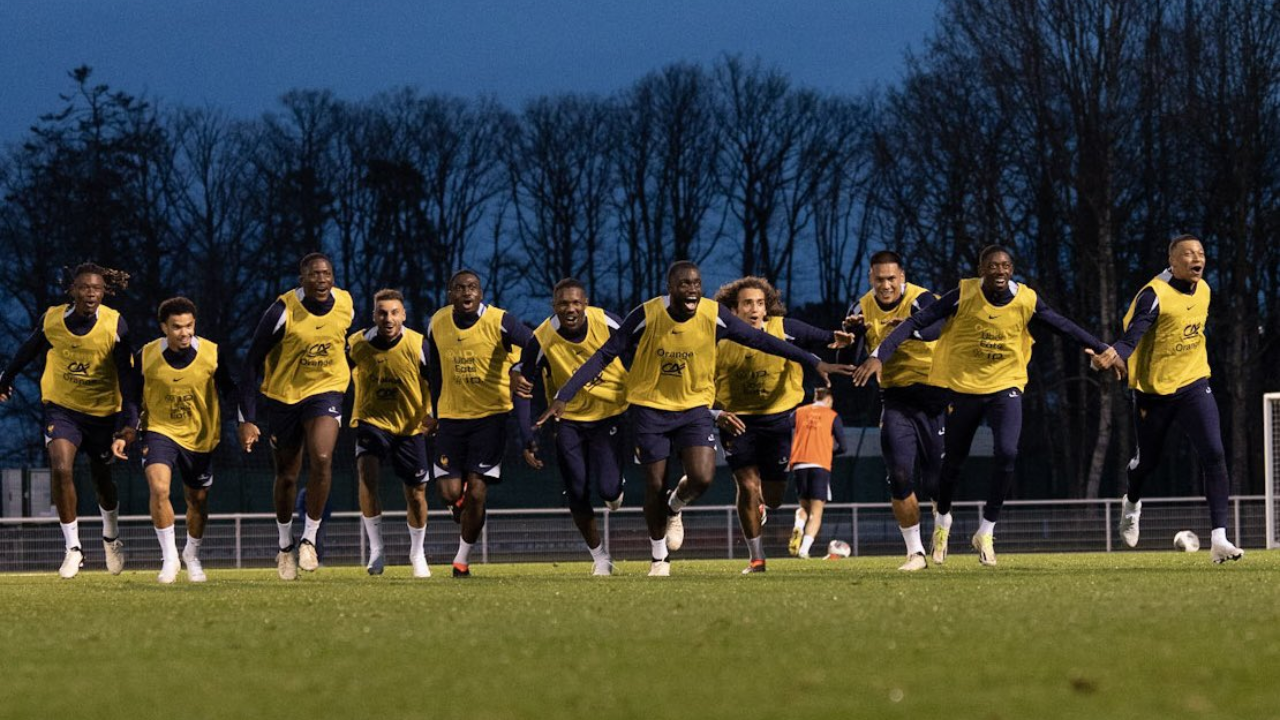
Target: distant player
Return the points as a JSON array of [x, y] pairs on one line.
[[911, 422], [298, 349], [181, 423], [819, 437], [589, 444], [1168, 366], [87, 359], [470, 345], [390, 414], [756, 398], [671, 386], [982, 357]]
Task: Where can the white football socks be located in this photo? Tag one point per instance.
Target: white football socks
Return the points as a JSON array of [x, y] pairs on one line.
[[1218, 536], [464, 553], [597, 552], [416, 538], [986, 527], [755, 546], [285, 529], [658, 548], [168, 543], [943, 520], [309, 530], [373, 530], [911, 535], [110, 522], [806, 544], [71, 533]]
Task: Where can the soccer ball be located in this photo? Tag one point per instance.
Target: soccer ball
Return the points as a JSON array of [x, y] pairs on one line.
[[1186, 541], [837, 549]]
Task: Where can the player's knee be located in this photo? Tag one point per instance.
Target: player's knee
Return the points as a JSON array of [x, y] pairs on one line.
[[900, 485]]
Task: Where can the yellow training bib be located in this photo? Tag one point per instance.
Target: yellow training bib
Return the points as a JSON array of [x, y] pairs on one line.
[[391, 393], [675, 362], [309, 359], [752, 382], [473, 366], [985, 348], [912, 361], [79, 371], [182, 404], [602, 397], [1172, 353]]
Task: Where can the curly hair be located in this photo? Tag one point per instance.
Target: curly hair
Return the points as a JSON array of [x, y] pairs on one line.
[[727, 295], [113, 280], [175, 306]]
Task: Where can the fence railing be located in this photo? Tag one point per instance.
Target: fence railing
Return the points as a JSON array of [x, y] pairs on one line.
[[250, 540]]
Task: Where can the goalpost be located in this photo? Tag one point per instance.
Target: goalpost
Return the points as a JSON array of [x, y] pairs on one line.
[[1270, 444]]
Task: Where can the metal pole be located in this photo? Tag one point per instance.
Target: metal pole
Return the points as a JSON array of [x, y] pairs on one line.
[[1106, 506], [239, 558], [728, 532], [484, 544], [605, 540], [1269, 463], [1236, 507], [854, 512], [360, 531]]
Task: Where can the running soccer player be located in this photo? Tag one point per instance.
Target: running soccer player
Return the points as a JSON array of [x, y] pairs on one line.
[[181, 424], [911, 421], [756, 398], [298, 349], [389, 367], [1163, 347], [470, 345], [671, 386], [588, 438], [87, 365], [819, 437], [982, 357]]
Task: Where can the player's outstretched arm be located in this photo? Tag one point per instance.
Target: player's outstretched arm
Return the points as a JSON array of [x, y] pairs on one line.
[[868, 369], [556, 410]]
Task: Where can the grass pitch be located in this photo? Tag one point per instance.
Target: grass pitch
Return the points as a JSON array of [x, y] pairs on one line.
[[1158, 635]]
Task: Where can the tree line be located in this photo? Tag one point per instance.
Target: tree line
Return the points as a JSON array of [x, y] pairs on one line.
[[1082, 133]]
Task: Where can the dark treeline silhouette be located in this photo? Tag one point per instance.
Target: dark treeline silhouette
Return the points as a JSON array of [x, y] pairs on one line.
[[1083, 133]]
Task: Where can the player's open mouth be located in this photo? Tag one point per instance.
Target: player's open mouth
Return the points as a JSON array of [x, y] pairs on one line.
[[1197, 269]]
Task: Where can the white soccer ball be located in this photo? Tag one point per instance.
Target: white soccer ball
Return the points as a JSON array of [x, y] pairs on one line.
[[837, 549], [1186, 541]]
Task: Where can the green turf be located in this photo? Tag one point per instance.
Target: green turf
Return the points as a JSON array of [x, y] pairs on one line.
[[1156, 635]]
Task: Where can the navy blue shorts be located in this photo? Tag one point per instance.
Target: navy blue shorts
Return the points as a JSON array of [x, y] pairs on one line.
[[196, 467], [587, 450], [471, 445], [912, 428], [660, 431], [286, 421], [91, 434], [764, 445], [408, 453], [813, 483]]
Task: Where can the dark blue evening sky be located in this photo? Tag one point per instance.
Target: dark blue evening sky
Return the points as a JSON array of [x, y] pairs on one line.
[[241, 56]]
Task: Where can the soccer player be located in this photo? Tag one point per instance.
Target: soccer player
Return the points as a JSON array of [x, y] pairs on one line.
[[298, 349], [389, 367], [911, 421], [87, 363], [819, 436], [1163, 347], [756, 398], [671, 386], [470, 347], [181, 424], [588, 438], [982, 357]]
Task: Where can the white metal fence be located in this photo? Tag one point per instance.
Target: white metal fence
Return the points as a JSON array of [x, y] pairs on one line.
[[250, 540]]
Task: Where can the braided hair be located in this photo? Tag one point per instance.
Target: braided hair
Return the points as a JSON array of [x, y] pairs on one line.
[[113, 280]]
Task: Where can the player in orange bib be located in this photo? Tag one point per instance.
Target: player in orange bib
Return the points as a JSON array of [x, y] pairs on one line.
[[298, 351], [819, 437], [87, 363]]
